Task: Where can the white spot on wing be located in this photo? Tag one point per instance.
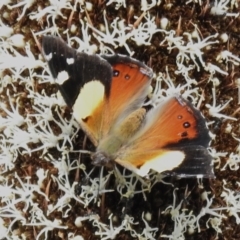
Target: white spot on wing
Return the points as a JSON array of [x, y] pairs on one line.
[[70, 61], [48, 57], [62, 77]]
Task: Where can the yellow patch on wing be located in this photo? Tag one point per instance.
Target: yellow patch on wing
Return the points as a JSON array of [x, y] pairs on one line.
[[89, 109], [89, 98]]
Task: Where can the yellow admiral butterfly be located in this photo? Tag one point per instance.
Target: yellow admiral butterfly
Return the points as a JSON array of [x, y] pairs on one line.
[[107, 93]]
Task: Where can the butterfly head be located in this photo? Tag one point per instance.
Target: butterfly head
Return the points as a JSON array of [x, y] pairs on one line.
[[100, 158]]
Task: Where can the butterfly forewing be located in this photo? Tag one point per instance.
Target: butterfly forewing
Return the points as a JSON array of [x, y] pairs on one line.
[[101, 90]]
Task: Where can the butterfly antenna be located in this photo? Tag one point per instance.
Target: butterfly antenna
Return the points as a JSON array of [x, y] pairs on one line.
[[103, 195], [37, 42], [77, 175]]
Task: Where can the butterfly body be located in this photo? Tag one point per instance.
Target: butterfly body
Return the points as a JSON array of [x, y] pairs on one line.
[[107, 93], [112, 143]]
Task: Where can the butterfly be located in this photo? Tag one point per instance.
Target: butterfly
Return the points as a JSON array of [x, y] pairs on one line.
[[106, 94]]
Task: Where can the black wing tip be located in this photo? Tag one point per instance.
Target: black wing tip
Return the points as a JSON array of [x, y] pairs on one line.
[[84, 68], [46, 39], [49, 41]]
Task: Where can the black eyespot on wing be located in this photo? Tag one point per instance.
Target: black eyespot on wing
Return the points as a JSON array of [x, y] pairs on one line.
[[115, 73], [127, 77], [186, 125], [184, 134]]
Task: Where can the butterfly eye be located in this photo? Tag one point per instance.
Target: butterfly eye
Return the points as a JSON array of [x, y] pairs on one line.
[[186, 125]]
